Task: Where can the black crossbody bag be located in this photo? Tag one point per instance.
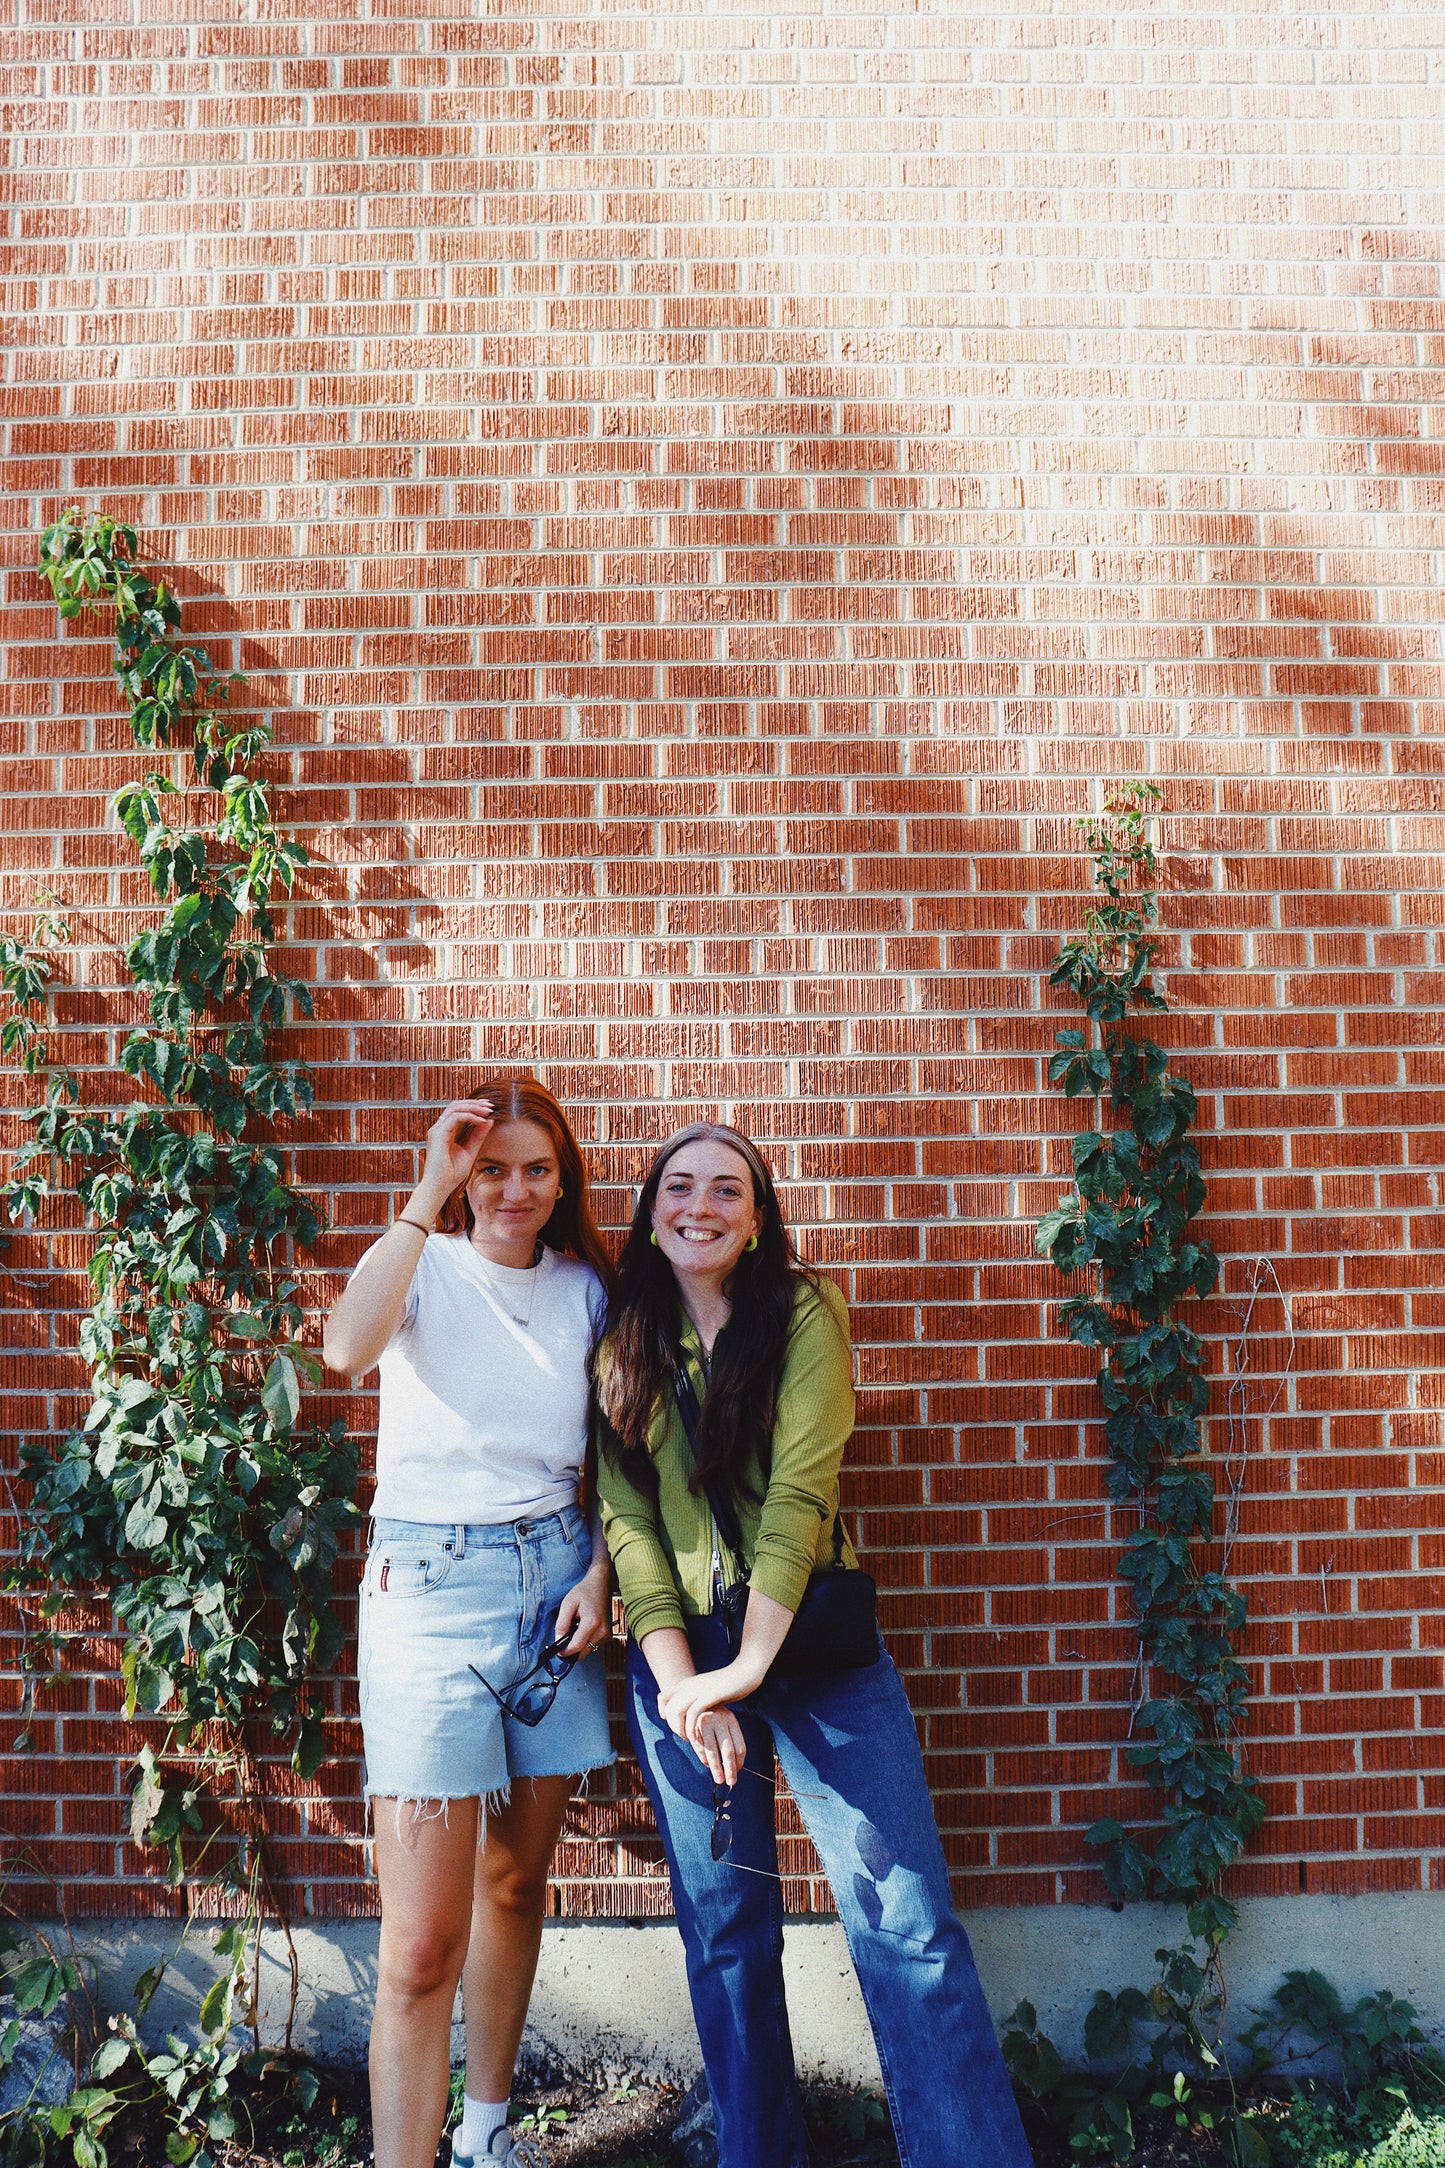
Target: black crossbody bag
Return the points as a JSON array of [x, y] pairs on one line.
[[835, 1627]]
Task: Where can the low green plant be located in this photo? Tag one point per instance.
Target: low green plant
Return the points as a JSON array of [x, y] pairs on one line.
[[538, 2121], [1376, 2048], [1382, 2102], [852, 2123], [316, 2137], [185, 2087], [1182, 2107], [1317, 2132], [863, 2114], [1092, 2106], [38, 1978], [1148, 2058], [188, 2095], [1144, 2052]]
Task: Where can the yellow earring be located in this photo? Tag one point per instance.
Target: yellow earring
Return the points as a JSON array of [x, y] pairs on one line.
[[751, 1243], [559, 1196], [652, 1238]]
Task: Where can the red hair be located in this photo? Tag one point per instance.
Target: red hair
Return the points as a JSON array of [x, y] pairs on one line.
[[571, 1228]]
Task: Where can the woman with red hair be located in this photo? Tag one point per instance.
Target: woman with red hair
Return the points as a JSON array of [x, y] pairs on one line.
[[485, 1598]]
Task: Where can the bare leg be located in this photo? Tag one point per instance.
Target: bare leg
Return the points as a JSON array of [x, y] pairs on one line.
[[507, 1910], [426, 1887]]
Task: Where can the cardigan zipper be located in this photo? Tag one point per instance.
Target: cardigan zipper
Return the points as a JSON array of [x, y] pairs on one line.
[[717, 1580]]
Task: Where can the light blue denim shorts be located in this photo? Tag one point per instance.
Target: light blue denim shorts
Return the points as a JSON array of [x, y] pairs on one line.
[[438, 1599]]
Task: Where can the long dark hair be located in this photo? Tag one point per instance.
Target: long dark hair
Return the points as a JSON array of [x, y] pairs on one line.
[[571, 1228], [641, 1341]]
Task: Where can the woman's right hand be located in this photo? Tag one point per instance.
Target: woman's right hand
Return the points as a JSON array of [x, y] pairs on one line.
[[719, 1744], [717, 1736], [373, 1302], [452, 1145]]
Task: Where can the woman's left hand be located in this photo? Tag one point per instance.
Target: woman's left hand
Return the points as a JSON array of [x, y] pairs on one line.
[[585, 1612], [684, 1707]]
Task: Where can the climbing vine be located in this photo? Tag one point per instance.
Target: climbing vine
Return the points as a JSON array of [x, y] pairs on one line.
[[194, 1495], [1127, 1227]]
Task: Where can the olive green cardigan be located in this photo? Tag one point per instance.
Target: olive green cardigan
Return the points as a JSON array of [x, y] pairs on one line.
[[662, 1546]]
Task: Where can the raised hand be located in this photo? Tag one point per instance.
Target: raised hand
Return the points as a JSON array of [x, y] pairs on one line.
[[371, 1305], [452, 1144]]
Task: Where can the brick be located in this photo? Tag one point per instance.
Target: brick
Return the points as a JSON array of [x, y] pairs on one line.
[[691, 644]]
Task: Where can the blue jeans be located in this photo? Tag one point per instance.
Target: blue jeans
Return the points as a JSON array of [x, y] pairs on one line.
[[849, 1737]]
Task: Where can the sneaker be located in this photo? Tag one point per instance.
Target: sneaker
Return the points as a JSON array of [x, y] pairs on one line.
[[694, 2135], [505, 2151]]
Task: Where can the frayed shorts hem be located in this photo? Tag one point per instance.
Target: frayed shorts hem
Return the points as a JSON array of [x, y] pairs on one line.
[[433, 1806], [498, 1795]]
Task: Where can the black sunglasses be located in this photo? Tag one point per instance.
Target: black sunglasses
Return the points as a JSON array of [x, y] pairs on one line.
[[530, 1697], [722, 1822]]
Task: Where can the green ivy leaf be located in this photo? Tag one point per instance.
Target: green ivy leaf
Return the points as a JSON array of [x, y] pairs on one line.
[[145, 1528], [305, 2084], [1250, 2144], [147, 1797], [310, 1749], [37, 1986], [215, 2017], [108, 2058], [281, 1393], [1052, 1225]]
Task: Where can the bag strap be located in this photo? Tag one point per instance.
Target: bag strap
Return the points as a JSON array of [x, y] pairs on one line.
[[723, 1511]]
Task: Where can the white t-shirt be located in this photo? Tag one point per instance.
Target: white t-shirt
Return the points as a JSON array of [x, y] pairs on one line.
[[484, 1387]]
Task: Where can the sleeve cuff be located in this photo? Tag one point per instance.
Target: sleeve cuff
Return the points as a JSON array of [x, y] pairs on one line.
[[651, 1613], [784, 1579]]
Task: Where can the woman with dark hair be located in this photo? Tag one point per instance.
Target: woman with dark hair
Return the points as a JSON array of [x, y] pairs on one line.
[[485, 1596], [724, 1382]]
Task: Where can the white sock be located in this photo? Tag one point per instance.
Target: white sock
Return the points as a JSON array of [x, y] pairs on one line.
[[480, 2118]]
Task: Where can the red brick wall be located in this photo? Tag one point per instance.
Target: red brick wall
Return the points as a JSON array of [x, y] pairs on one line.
[[707, 498]]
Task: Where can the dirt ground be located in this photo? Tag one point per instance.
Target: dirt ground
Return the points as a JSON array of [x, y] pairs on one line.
[[576, 2125]]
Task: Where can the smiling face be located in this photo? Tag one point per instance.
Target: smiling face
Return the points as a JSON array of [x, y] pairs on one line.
[[704, 1213], [511, 1190]]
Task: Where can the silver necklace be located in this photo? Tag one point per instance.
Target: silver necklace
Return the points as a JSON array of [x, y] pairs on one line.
[[531, 1272]]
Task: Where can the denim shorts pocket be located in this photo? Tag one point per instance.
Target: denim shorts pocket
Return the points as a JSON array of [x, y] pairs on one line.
[[404, 1570]]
